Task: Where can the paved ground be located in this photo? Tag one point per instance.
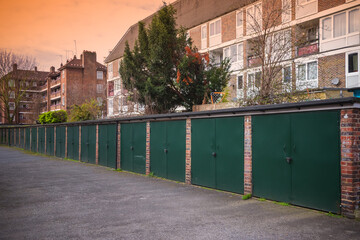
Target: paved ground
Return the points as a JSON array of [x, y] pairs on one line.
[[49, 198]]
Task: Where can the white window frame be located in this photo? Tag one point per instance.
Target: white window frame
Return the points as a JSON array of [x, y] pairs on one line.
[[287, 86], [254, 18], [63, 73], [214, 22], [99, 75], [11, 83], [204, 43], [117, 85], [110, 106], [110, 70], [286, 14], [11, 94], [347, 64], [99, 88], [240, 29], [299, 3], [307, 83], [63, 101], [251, 92], [332, 38], [11, 106]]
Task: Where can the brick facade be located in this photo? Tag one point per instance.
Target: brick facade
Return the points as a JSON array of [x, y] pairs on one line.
[[228, 27], [147, 159], [331, 67], [350, 162], [195, 35], [247, 155], [188, 152], [97, 146], [118, 154], [327, 4], [79, 143]]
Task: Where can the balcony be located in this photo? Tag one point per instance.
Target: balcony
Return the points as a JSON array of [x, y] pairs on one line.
[[253, 61], [43, 87], [308, 49], [44, 109], [55, 95], [55, 83], [55, 107]]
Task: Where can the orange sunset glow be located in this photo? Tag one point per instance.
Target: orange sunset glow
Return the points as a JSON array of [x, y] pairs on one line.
[[47, 29]]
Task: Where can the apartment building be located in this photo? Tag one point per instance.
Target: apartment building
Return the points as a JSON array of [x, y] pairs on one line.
[[322, 38], [73, 83]]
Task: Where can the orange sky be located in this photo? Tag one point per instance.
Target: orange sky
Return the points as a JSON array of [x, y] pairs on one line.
[[45, 29]]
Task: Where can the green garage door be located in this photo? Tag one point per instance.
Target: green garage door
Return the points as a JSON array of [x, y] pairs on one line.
[[217, 153], [60, 142], [34, 139], [168, 148], [41, 133], [296, 159], [73, 142], [107, 145], [2, 131], [50, 141], [22, 137], [133, 148], [27, 139], [11, 141], [88, 144]]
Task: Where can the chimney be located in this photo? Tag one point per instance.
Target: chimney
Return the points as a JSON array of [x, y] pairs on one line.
[[52, 69], [14, 67], [74, 56], [35, 69], [88, 58]]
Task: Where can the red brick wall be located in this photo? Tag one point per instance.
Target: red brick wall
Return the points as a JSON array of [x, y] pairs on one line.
[[327, 4], [331, 67], [228, 27], [195, 35], [247, 155], [147, 159], [350, 161], [115, 68], [188, 152]]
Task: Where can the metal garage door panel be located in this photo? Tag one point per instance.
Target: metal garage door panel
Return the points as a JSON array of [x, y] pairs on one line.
[[92, 144], [34, 139], [60, 142], [50, 141], [316, 160], [112, 145], [270, 147], [202, 148], [126, 147], [22, 138], [157, 149], [73, 142], [176, 146], [27, 139], [139, 150], [84, 143], [41, 147], [103, 145], [230, 154], [11, 141]]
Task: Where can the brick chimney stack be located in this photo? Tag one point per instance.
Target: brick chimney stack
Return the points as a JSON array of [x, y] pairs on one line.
[[35, 69], [14, 67], [52, 69]]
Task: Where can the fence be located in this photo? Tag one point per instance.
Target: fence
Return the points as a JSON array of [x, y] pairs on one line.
[[306, 154]]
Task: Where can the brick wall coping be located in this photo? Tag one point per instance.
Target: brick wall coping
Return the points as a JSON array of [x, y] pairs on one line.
[[328, 104]]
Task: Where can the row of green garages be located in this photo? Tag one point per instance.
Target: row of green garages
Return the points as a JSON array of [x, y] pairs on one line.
[[295, 156]]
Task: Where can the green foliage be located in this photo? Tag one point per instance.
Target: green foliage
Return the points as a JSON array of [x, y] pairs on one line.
[[164, 71], [151, 174], [90, 110], [247, 196], [262, 199], [283, 203], [53, 117]]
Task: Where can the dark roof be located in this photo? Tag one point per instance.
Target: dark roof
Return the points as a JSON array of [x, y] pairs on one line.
[[76, 63], [190, 13], [28, 75]]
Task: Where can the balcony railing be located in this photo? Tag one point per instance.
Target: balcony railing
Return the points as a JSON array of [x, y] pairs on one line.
[[55, 107], [55, 95], [308, 49], [44, 87], [253, 61], [55, 83]]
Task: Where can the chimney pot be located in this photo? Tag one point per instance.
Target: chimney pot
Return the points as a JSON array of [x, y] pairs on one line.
[[52, 69], [35, 68], [14, 67]]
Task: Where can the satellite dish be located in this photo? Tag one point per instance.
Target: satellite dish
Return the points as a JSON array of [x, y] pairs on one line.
[[335, 81]]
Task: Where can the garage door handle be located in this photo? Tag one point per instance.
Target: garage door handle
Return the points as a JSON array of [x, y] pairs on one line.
[[165, 150], [214, 154], [288, 160], [132, 148]]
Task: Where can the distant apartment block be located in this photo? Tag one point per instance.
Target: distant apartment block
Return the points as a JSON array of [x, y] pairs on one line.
[[327, 57], [75, 82]]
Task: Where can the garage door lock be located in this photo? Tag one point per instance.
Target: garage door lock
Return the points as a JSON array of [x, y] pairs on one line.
[[288, 160]]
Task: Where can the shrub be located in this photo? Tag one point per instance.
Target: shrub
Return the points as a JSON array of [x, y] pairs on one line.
[[53, 117]]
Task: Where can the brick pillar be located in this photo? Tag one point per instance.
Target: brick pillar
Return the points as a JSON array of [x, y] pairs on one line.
[[147, 148], [66, 141], [350, 162], [97, 145], [118, 158], [54, 141], [37, 139], [45, 150], [79, 143], [29, 139], [247, 155], [188, 152]]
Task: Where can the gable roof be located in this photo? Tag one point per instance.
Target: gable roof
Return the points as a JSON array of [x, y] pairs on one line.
[[189, 13], [77, 63], [27, 75]]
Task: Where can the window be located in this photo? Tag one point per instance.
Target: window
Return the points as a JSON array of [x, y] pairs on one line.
[[99, 88], [353, 62], [117, 84], [308, 71], [286, 8], [63, 101], [63, 73], [239, 19], [354, 21], [11, 83], [254, 18], [234, 53], [100, 101], [203, 32], [11, 105], [27, 83], [12, 94], [34, 84], [340, 25], [240, 82], [110, 70], [110, 107], [215, 28], [303, 2], [99, 75], [287, 74], [21, 116], [63, 88]]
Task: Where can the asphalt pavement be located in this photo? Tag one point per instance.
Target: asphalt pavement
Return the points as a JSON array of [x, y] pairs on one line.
[[50, 198]]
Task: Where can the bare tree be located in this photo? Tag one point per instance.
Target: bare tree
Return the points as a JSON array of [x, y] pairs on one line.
[[270, 49], [13, 84]]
